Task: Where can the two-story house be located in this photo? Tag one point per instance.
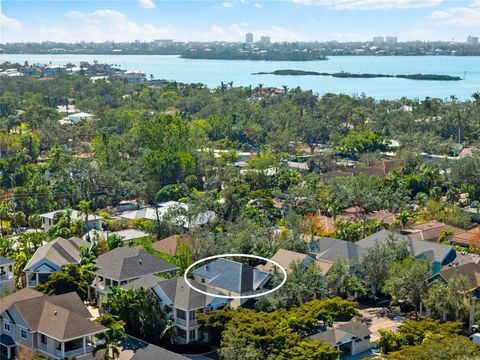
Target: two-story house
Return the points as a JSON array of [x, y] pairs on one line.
[[7, 275], [123, 265], [232, 278], [51, 256], [59, 327], [94, 221], [182, 303]]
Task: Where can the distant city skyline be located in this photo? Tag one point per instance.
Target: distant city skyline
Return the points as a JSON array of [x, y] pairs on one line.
[[286, 20]]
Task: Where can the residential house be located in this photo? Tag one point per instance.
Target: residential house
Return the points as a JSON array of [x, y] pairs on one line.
[[170, 207], [430, 230], [7, 275], [329, 249], [169, 245], [124, 264], [127, 235], [81, 116], [470, 270], [59, 327], [285, 258], [327, 223], [438, 254], [232, 278], [181, 302], [153, 352], [51, 256], [94, 221], [351, 338], [470, 238], [474, 211], [380, 170]]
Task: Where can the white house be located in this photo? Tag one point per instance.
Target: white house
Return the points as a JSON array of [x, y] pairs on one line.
[[94, 221], [81, 116]]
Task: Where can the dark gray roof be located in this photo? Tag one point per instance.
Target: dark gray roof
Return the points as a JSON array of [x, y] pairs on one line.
[[418, 248], [152, 352], [232, 275], [4, 260], [126, 263], [343, 334], [329, 249]]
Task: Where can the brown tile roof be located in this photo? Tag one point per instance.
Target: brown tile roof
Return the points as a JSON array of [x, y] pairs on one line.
[[168, 245]]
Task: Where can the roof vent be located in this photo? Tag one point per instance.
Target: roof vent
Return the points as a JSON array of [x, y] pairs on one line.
[[140, 261], [55, 313], [206, 267]]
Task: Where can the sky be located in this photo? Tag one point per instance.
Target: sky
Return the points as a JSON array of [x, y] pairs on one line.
[[282, 20]]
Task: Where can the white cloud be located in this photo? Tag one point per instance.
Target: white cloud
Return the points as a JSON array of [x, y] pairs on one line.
[[257, 6], [370, 4], [459, 16], [147, 4], [225, 5], [104, 25], [10, 24]]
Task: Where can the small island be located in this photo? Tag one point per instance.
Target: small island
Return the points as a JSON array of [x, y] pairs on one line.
[[343, 74]]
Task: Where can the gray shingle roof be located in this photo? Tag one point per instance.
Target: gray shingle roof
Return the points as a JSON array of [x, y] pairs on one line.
[[152, 352], [232, 275], [418, 248], [62, 317], [329, 249], [343, 334], [126, 263], [59, 251]]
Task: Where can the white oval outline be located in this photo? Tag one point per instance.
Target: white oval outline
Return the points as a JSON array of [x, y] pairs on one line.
[[235, 296]]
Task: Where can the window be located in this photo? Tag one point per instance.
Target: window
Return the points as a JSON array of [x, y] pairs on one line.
[[181, 314], [6, 326], [23, 334], [181, 333], [192, 314], [43, 339], [203, 281], [192, 335]]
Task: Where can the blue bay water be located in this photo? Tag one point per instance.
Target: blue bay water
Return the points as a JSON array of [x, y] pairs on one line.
[[213, 72]]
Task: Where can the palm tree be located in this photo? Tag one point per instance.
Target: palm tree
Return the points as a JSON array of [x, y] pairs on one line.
[[109, 339], [84, 208], [21, 261]]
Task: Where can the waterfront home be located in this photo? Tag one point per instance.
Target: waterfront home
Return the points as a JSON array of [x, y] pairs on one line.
[[59, 327], [122, 265], [232, 278], [51, 257], [48, 219], [182, 303], [7, 275]]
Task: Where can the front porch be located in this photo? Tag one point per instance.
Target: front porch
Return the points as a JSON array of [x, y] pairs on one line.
[[66, 349]]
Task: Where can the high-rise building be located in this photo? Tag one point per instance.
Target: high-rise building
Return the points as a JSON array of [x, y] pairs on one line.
[[265, 40], [249, 38], [472, 40], [391, 40], [378, 39]]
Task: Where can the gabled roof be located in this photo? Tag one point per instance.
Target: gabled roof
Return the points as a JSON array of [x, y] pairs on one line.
[[285, 258], [4, 260], [61, 317], [343, 334], [20, 295], [418, 248], [232, 275], [471, 271], [168, 245], [126, 263], [432, 230], [59, 252], [329, 249], [178, 292], [153, 352]]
